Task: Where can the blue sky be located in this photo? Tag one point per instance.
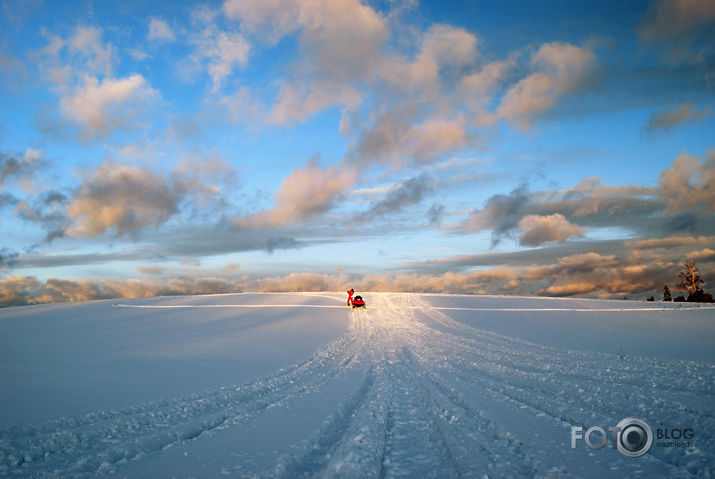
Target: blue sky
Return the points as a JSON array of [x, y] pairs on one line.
[[551, 148]]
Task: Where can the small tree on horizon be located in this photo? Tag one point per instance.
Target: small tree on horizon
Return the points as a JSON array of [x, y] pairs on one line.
[[690, 279], [666, 294]]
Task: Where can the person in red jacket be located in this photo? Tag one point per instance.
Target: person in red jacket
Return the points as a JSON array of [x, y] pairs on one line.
[[350, 296]]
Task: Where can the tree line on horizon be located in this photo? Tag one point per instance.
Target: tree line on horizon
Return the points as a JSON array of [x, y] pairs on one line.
[[690, 282]]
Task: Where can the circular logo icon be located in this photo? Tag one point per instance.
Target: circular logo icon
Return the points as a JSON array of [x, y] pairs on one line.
[[635, 437]]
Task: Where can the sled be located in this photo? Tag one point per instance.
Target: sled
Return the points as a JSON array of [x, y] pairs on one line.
[[358, 302]]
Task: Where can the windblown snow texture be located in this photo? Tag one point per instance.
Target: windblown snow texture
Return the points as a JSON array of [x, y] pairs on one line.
[[405, 391]]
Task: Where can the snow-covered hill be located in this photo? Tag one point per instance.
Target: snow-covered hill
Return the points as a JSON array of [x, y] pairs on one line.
[[298, 385]]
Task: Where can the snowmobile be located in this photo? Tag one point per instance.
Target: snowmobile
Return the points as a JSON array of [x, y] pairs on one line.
[[358, 302]]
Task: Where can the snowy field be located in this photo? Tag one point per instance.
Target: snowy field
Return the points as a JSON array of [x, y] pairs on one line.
[[298, 385]]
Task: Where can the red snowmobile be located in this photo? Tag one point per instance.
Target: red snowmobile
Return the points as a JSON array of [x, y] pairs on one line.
[[358, 302]]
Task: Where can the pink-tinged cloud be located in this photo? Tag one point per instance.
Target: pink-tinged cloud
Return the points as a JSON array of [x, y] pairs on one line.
[[677, 18], [443, 47], [559, 68], [687, 185], [271, 19], [307, 192], [671, 242], [589, 274], [478, 88], [669, 119], [538, 229], [101, 107], [297, 102], [394, 142], [706, 255], [123, 200]]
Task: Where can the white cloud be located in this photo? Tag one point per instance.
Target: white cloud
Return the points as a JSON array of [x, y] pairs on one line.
[[159, 30], [217, 51], [87, 42]]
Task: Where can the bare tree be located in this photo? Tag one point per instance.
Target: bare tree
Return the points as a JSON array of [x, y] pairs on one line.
[[690, 278]]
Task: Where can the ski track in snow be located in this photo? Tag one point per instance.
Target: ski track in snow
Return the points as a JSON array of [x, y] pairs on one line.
[[437, 398]]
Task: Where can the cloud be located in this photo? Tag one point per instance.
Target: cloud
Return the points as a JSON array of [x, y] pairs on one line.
[[151, 270], [501, 213], [303, 282], [217, 51], [8, 258], [560, 68], [340, 47], [86, 41], [271, 19], [80, 70], [14, 168], [281, 242], [678, 24], [443, 47], [159, 30], [435, 213], [343, 37], [47, 210], [667, 120], [670, 242], [400, 196], [296, 102], [100, 108], [682, 202], [22, 290], [705, 255], [12, 69], [123, 199], [393, 141], [574, 264], [687, 185], [479, 87], [588, 274], [308, 191], [602, 275], [546, 229]]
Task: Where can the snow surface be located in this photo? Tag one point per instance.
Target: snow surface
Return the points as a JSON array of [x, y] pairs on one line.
[[298, 385]]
